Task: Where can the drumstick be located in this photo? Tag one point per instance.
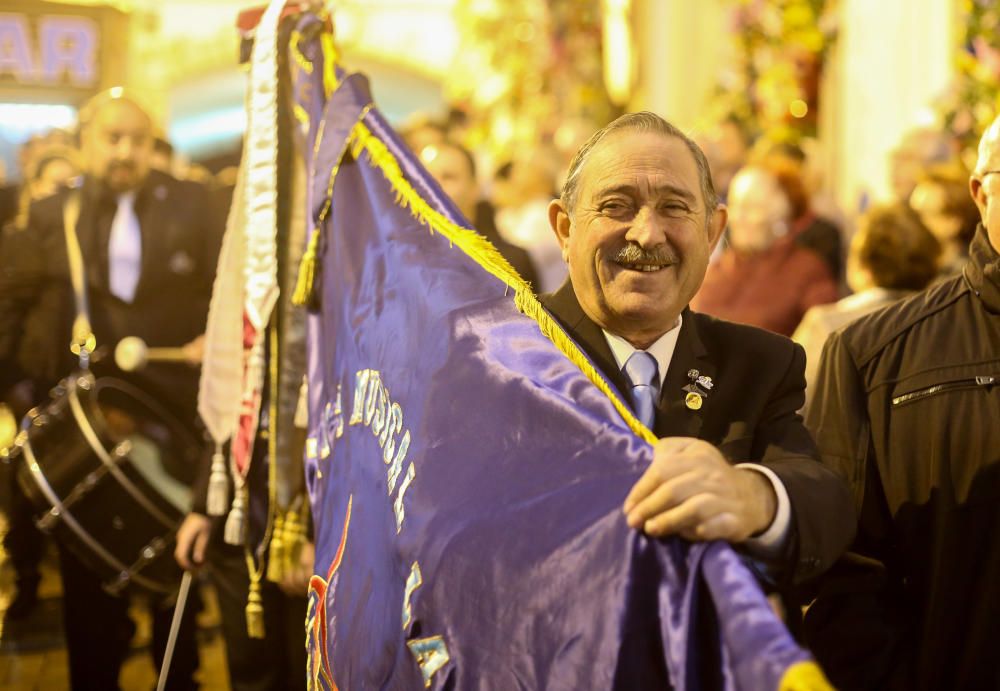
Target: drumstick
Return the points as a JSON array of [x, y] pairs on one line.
[[175, 625], [132, 354]]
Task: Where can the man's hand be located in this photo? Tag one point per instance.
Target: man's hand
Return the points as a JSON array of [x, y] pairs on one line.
[[692, 491], [296, 582], [192, 539]]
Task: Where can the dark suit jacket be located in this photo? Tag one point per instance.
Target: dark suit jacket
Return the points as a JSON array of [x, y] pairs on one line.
[[181, 238], [749, 414]]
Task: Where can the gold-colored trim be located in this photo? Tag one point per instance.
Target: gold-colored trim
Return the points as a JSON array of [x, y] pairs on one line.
[[480, 250]]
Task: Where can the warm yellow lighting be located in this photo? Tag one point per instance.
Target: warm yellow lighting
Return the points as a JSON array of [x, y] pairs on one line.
[[618, 59], [429, 153], [798, 108], [418, 35]]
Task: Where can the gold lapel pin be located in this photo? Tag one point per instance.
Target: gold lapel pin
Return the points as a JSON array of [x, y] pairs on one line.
[[693, 401]]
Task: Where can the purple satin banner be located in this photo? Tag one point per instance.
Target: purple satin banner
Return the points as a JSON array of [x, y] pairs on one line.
[[467, 481]]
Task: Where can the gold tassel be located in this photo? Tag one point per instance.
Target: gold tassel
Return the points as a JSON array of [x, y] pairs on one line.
[[218, 485], [236, 522], [307, 271], [294, 536], [255, 610], [277, 558]]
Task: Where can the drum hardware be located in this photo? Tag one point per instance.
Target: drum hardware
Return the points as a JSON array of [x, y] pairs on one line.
[[85, 382], [95, 462], [48, 521], [146, 555], [120, 583], [95, 548]]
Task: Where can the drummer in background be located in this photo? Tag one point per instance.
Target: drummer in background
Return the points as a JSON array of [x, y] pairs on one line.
[[150, 246]]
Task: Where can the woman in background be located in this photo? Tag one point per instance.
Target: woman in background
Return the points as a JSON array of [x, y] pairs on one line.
[[763, 278], [891, 256]]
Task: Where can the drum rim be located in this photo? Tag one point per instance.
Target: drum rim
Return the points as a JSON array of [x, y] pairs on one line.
[[93, 440], [148, 401], [66, 516]]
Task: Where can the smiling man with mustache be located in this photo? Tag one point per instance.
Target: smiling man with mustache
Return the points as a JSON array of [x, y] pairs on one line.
[[637, 221]]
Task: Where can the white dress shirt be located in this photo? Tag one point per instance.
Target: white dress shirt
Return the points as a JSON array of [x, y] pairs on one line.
[[769, 543]]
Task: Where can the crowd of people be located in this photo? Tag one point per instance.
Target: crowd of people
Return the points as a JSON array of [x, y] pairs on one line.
[[900, 392], [136, 258]]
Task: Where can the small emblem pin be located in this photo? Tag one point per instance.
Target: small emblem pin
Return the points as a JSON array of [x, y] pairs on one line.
[[693, 401]]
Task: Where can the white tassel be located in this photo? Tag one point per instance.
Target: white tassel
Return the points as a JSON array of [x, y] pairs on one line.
[[236, 522], [218, 485]]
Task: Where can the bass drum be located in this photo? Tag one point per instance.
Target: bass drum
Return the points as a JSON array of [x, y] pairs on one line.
[[109, 471]]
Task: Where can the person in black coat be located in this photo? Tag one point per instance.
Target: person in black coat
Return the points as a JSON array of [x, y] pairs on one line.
[[637, 221], [906, 408], [149, 246]]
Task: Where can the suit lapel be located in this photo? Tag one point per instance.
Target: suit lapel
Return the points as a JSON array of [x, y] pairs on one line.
[[674, 418], [155, 243], [564, 306]]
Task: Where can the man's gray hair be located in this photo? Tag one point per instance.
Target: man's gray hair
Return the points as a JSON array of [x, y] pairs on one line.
[[988, 148], [640, 122]]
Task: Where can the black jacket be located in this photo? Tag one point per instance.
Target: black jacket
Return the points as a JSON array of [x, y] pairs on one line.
[[907, 409], [749, 414], [181, 238]]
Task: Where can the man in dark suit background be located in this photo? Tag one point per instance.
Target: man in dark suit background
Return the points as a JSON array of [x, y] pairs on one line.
[[637, 221], [149, 246], [454, 168]]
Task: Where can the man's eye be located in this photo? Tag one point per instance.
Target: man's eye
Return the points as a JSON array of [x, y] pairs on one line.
[[614, 207], [674, 208]]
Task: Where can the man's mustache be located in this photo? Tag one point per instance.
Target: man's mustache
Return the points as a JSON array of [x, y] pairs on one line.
[[634, 254]]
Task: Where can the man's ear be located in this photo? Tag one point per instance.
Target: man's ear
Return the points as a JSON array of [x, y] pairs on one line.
[[978, 196], [716, 225], [560, 223]]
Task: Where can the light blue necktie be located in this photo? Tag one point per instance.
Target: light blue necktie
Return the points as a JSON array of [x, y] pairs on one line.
[[641, 369]]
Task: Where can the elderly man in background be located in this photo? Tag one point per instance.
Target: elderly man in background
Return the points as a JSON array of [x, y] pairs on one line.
[[764, 278], [907, 409], [636, 222], [454, 168]]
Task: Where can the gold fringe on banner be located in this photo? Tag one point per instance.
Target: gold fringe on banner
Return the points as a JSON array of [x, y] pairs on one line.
[[487, 256]]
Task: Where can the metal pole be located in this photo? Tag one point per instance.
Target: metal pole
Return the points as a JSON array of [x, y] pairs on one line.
[[175, 625]]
